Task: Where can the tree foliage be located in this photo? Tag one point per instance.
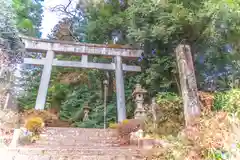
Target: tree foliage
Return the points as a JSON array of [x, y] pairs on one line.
[[210, 27], [28, 16], [8, 29]]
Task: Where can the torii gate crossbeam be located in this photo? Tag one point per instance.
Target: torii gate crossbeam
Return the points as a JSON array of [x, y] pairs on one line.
[[82, 49]]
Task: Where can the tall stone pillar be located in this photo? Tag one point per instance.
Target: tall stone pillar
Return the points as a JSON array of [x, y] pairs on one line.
[[191, 103]]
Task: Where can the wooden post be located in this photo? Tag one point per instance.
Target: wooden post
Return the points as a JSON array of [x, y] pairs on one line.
[[105, 83], [154, 113], [188, 83]]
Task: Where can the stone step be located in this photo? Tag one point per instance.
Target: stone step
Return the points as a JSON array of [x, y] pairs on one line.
[[79, 130], [74, 144], [79, 133], [77, 140], [94, 146], [80, 137], [72, 151], [89, 130], [64, 135], [100, 157], [93, 157], [42, 154], [87, 137], [76, 129]]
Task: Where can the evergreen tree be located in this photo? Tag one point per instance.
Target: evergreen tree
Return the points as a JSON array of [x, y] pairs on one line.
[[29, 18]]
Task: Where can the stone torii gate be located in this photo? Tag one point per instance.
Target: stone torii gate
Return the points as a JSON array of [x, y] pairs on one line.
[[52, 47]]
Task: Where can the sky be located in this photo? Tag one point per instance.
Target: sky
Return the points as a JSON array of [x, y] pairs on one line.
[[50, 19]]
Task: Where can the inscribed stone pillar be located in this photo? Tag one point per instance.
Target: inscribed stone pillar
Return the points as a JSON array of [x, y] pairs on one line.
[[188, 83]]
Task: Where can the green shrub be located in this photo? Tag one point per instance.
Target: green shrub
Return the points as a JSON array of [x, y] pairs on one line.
[[220, 100], [169, 100], [169, 115], [228, 101]]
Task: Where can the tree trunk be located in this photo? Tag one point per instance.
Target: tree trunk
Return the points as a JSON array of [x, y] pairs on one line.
[[188, 83]]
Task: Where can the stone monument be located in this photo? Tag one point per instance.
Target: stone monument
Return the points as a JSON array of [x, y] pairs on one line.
[[138, 95], [86, 110]]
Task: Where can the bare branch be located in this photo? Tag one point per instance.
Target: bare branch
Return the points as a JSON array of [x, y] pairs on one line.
[[66, 9]]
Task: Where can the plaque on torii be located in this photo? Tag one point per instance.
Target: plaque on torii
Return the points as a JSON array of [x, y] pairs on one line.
[[53, 47]]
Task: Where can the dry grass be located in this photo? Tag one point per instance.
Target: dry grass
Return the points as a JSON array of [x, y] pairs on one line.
[[202, 139], [9, 118], [50, 119], [47, 117], [125, 128]]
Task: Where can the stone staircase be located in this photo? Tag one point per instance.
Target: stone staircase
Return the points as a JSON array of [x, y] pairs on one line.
[[75, 144]]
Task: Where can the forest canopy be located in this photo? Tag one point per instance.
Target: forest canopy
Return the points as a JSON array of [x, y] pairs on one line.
[[210, 27]]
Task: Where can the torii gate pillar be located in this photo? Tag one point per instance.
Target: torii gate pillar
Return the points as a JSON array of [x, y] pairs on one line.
[[121, 108], [45, 79]]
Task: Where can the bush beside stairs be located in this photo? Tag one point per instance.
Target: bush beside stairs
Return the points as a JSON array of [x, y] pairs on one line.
[[75, 144]]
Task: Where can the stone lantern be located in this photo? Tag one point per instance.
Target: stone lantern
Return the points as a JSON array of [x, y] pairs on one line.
[[86, 110], [138, 95]]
